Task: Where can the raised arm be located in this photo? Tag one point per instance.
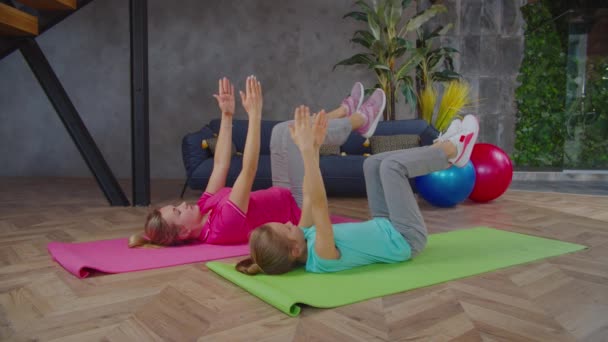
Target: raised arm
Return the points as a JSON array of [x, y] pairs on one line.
[[252, 102], [303, 133], [221, 159], [306, 219]]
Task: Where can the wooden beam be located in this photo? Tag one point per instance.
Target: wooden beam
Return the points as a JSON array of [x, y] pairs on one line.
[[50, 5], [14, 22]]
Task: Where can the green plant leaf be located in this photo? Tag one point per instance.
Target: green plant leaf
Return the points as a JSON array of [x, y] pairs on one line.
[[411, 63], [379, 6], [392, 13], [361, 41], [359, 58], [364, 6], [440, 31], [421, 18], [364, 38], [365, 35], [405, 3], [407, 89], [374, 25], [360, 16], [380, 66], [402, 47], [446, 75], [379, 50]]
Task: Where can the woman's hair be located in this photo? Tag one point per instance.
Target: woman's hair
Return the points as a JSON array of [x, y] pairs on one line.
[[270, 253], [157, 232]]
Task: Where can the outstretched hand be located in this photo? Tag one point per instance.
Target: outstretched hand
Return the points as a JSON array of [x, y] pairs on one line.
[[306, 132], [225, 96], [252, 99], [319, 128]]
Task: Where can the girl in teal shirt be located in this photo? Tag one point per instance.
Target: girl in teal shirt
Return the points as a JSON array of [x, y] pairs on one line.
[[397, 231]]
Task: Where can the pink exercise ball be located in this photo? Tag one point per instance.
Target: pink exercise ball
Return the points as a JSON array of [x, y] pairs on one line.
[[493, 171]]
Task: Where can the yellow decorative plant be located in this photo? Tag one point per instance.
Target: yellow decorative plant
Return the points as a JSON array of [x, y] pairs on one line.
[[455, 98]]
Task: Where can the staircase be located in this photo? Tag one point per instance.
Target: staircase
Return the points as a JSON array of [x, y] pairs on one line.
[[22, 19]]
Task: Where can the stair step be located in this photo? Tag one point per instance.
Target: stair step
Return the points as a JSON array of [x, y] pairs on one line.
[[50, 5], [14, 22]]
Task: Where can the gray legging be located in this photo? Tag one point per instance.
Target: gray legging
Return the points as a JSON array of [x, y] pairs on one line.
[[286, 162], [386, 177], [389, 193]]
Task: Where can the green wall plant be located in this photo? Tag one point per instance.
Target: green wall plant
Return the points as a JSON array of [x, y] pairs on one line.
[[548, 134], [540, 129]]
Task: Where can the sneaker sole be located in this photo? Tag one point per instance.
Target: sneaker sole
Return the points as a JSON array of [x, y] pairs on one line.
[[372, 127], [360, 98], [466, 155]]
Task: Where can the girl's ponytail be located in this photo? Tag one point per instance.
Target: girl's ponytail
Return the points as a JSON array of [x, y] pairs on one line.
[[247, 266]]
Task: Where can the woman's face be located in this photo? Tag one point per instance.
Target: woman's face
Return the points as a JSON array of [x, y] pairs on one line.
[[184, 215]]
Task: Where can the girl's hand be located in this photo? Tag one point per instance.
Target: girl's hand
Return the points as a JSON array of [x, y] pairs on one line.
[[225, 98], [252, 99], [302, 131], [319, 128]]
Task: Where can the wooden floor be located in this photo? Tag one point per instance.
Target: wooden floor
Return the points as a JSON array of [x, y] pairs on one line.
[[563, 298]]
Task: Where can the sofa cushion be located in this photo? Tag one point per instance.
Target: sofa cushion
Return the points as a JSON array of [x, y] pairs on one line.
[[329, 150], [354, 145], [385, 143], [212, 144]]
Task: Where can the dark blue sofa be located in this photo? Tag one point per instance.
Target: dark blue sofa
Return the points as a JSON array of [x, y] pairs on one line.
[[343, 175]]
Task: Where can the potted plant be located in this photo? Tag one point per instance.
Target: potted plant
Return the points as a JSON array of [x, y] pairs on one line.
[[392, 57]]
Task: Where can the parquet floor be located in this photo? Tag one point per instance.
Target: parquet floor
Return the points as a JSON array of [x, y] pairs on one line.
[[563, 298]]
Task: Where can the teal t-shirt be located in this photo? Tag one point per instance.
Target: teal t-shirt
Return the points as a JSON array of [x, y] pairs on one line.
[[359, 243]]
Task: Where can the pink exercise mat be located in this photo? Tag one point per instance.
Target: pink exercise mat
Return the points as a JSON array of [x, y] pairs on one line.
[[114, 256]]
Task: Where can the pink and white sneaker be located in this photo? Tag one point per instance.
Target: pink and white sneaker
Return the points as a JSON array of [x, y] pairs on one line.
[[354, 101], [464, 140], [452, 129], [372, 110]]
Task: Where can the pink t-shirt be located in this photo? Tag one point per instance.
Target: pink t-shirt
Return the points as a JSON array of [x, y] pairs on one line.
[[227, 224]]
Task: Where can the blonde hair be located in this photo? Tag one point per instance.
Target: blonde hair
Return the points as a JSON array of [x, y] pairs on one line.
[[157, 232], [270, 253]]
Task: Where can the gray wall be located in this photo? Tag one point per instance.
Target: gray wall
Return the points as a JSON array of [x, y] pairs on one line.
[[489, 35], [290, 45]]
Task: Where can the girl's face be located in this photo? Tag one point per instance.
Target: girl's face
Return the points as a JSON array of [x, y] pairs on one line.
[[289, 231], [184, 215]]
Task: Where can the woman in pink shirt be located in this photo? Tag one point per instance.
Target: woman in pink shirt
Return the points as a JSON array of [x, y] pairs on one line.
[[224, 215], [227, 215]]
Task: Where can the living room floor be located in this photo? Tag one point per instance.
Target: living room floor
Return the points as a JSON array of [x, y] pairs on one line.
[[562, 298]]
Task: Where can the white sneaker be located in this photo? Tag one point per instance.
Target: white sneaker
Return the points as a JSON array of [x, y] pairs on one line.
[[452, 129], [464, 140]]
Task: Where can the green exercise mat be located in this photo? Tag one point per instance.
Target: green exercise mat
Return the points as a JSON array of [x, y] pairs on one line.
[[448, 256]]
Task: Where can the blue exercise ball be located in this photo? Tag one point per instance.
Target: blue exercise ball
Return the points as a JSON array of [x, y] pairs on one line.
[[448, 187]]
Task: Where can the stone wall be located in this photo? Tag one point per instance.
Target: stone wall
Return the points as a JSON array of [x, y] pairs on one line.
[[290, 45], [489, 35]]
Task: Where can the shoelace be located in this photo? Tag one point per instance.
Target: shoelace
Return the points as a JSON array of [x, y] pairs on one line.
[[446, 137]]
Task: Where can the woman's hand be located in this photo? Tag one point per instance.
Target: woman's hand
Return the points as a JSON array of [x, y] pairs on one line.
[[225, 96], [319, 128], [252, 99]]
